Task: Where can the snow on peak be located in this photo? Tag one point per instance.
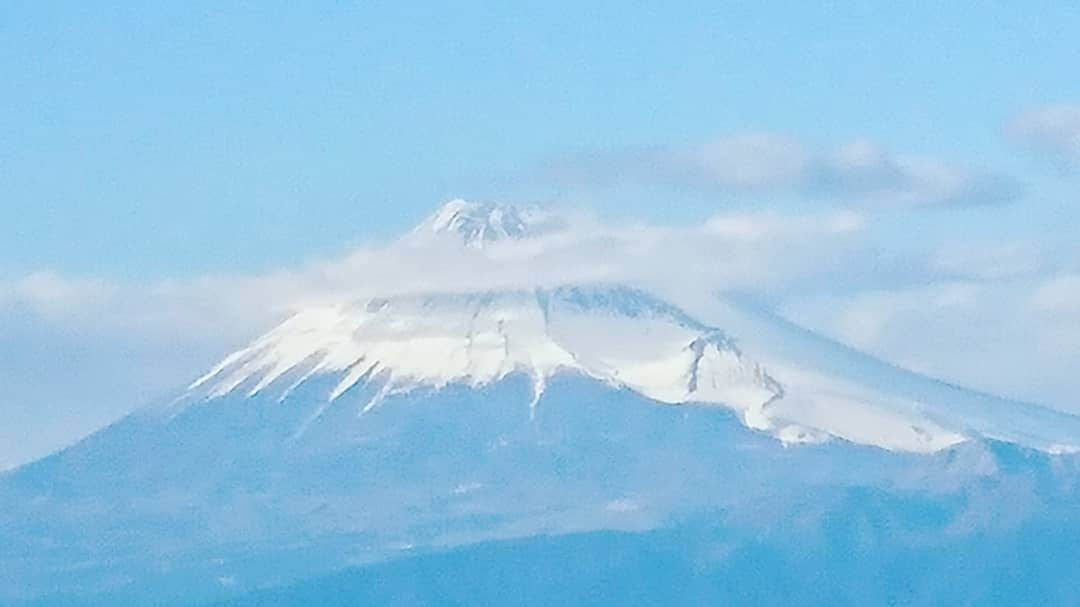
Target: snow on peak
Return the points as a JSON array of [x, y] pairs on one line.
[[616, 335], [796, 389], [477, 224]]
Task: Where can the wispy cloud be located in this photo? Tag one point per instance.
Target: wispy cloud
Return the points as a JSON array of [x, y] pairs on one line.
[[1059, 295], [980, 260], [1016, 337], [859, 173], [1052, 131], [759, 248], [52, 294]]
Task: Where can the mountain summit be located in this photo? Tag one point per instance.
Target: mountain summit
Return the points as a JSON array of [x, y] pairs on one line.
[[478, 224]]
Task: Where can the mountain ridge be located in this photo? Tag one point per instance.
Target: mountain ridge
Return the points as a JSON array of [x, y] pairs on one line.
[[625, 337], [407, 342]]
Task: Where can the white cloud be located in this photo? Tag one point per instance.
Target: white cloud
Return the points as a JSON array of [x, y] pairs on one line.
[[745, 161], [760, 249], [1059, 295], [858, 173], [762, 225], [51, 293], [865, 319], [1052, 131], [871, 175], [1012, 337], [989, 260]]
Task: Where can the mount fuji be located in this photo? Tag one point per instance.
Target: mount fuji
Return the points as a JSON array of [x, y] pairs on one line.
[[511, 425]]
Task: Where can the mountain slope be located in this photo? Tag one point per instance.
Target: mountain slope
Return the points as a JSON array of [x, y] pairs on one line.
[[713, 565], [615, 335], [222, 498], [778, 378], [824, 377]]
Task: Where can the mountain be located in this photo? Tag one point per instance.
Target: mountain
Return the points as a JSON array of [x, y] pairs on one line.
[[465, 428], [624, 338], [480, 224], [700, 563], [617, 336]]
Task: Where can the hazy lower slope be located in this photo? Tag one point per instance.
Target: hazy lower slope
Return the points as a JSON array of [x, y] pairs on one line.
[[221, 501], [871, 550]]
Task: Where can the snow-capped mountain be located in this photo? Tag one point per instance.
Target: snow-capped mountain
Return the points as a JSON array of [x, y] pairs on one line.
[[629, 339], [366, 430], [477, 224], [619, 336]]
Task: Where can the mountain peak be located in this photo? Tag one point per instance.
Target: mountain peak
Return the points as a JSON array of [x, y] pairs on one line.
[[617, 335], [478, 224]]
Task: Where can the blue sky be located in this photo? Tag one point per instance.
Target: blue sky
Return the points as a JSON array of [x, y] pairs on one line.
[[157, 161], [278, 132]]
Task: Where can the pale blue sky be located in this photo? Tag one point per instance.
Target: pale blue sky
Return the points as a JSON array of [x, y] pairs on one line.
[[141, 142]]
